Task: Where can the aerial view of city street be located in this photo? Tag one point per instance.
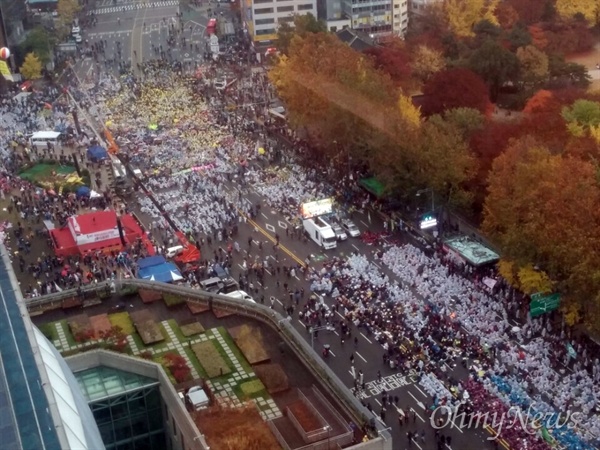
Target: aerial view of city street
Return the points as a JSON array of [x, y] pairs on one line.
[[300, 224]]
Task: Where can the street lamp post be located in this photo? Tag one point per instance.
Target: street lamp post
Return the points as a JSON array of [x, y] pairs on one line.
[[423, 191], [328, 429]]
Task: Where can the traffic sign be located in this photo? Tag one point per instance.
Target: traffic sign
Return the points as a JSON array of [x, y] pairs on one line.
[[543, 303]]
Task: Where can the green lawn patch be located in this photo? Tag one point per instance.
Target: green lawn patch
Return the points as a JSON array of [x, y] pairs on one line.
[[123, 321], [49, 330], [250, 388], [46, 172], [177, 330], [192, 356], [234, 348], [211, 359], [68, 335], [191, 329], [52, 175], [138, 341]]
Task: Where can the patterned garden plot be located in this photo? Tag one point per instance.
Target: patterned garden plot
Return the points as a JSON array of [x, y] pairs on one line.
[[123, 321], [100, 325], [242, 384], [273, 377], [80, 326], [147, 327], [191, 329], [249, 340], [210, 359]]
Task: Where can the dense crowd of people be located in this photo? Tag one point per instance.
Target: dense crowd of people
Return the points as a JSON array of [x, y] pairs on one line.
[[438, 314]]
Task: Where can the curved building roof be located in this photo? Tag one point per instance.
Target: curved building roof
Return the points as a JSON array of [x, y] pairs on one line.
[[40, 404]]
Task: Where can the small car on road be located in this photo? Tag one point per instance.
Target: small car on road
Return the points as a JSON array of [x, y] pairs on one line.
[[351, 228]]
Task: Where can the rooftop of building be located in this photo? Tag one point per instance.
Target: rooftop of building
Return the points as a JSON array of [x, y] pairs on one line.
[[94, 222], [355, 39], [39, 409]]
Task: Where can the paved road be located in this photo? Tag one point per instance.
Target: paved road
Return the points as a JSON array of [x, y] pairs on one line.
[[368, 354], [135, 27]]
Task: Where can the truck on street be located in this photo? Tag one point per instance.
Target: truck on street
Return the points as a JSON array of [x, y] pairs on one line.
[[320, 232]]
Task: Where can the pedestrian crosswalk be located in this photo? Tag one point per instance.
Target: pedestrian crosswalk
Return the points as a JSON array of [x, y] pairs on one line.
[[132, 7]]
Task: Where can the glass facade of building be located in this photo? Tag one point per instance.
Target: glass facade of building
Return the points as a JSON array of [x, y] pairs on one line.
[[127, 408]]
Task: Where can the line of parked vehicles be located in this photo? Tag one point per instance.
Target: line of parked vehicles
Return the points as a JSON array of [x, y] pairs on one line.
[[327, 230]]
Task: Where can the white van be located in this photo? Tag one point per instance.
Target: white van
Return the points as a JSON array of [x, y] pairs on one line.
[[211, 284], [174, 251], [198, 398], [240, 295], [40, 139]]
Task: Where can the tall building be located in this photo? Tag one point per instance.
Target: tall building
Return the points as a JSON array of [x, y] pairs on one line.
[[377, 18], [134, 403], [40, 404], [400, 17], [330, 12], [262, 17]]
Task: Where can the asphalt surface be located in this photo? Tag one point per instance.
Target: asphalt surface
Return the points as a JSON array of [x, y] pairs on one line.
[[368, 354], [135, 27]]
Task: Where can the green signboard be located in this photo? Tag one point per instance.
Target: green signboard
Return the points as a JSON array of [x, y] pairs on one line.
[[543, 303]]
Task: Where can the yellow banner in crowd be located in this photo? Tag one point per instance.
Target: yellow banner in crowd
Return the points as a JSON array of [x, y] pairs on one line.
[[4, 69]]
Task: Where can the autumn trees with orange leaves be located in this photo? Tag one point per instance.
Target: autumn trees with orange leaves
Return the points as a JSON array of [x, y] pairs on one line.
[[501, 128]]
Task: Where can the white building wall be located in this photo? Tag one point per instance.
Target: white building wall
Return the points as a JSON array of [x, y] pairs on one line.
[[400, 17], [266, 15]]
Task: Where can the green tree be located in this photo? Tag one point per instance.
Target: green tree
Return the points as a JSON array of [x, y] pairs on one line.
[[519, 36], [435, 156], [39, 42], [565, 74], [466, 120], [582, 116], [485, 29], [495, 65], [32, 67], [303, 25]]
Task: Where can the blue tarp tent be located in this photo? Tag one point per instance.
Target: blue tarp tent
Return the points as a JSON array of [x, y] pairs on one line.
[[83, 191], [97, 153], [156, 268], [151, 261]]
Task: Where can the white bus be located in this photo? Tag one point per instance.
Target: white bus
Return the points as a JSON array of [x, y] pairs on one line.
[[40, 139]]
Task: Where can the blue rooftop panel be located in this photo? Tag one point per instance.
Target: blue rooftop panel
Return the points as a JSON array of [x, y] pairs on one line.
[[20, 389]]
